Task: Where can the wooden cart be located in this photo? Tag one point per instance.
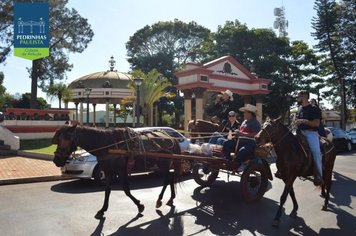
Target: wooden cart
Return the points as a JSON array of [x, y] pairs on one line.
[[253, 180]]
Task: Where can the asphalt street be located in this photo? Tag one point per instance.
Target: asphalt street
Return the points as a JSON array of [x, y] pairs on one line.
[[68, 207]]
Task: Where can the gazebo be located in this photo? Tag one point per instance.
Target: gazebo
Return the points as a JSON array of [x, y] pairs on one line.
[[218, 75], [106, 87]]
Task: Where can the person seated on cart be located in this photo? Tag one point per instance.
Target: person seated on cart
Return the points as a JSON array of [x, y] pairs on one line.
[[231, 126], [243, 144]]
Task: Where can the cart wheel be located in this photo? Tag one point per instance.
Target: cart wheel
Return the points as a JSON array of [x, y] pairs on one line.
[[254, 182], [204, 175]]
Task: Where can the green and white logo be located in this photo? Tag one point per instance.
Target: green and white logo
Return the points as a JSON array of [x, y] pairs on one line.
[[31, 30]]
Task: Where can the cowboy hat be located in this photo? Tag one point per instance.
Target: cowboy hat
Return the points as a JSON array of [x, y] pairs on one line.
[[229, 93], [249, 107]]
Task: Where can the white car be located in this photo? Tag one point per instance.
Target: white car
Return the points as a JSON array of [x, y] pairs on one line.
[[84, 165], [352, 134]]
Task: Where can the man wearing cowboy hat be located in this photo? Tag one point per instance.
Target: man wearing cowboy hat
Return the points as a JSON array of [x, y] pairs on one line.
[[222, 106], [244, 144]]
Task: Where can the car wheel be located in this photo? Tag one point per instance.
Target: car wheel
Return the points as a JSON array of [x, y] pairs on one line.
[[99, 175], [349, 146]]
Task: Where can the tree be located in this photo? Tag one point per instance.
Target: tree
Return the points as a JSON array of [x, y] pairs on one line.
[[151, 90], [65, 38], [334, 30], [166, 46], [23, 101], [6, 29], [290, 65], [4, 97], [59, 91]]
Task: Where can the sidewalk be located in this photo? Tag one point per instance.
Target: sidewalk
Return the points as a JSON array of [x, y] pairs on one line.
[[20, 169]]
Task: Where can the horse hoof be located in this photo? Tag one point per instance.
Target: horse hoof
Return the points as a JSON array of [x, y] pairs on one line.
[[170, 202], [141, 208], [293, 214], [275, 223], [99, 215], [158, 203]]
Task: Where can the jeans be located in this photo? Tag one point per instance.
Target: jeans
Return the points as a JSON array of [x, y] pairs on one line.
[[314, 145], [244, 151], [214, 138]]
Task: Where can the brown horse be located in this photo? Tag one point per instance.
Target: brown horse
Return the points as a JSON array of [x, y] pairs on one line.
[[203, 128], [99, 141], [291, 162]]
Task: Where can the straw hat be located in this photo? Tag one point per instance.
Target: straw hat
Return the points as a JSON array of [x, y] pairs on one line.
[[249, 107], [229, 93]]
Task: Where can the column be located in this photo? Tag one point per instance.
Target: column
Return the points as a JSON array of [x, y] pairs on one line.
[[187, 107], [107, 114], [134, 114], [114, 115], [199, 107], [94, 114], [81, 113], [76, 111]]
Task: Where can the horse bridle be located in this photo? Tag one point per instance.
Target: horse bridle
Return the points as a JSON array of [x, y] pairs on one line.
[[270, 137]]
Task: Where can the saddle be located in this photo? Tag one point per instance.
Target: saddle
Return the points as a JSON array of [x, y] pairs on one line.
[[308, 164]]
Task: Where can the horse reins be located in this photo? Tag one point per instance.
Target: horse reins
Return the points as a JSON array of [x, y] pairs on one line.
[[285, 135]]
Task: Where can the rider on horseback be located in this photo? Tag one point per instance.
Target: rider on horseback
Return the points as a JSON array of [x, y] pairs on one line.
[[308, 121]]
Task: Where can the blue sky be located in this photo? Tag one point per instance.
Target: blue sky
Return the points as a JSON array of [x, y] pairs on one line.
[[114, 21]]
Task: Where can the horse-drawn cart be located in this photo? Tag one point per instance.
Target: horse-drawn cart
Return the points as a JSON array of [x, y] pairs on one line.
[[253, 179]]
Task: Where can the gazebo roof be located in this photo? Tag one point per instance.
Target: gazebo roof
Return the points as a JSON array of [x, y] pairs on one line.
[[110, 85], [103, 79]]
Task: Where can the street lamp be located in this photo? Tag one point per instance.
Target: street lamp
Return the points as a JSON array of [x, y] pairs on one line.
[[87, 92], [138, 82]]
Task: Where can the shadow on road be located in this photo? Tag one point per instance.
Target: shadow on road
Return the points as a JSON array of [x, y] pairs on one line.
[[143, 181], [220, 214]]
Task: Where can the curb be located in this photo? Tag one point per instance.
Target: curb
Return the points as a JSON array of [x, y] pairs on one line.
[[33, 179], [35, 155]]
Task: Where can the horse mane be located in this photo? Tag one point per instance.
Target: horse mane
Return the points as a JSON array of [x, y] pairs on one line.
[[287, 138], [90, 138]]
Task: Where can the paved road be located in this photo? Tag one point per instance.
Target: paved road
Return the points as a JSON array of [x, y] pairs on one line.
[[68, 208]]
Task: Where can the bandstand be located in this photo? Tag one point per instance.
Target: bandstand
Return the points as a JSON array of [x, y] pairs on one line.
[[218, 75], [106, 87]]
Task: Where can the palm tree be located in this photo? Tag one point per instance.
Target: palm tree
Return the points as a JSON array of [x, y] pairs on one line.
[[151, 90], [58, 91]]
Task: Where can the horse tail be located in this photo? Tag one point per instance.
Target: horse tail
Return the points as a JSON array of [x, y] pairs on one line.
[[178, 171]]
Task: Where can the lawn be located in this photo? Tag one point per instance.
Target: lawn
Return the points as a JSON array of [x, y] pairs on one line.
[[39, 145]]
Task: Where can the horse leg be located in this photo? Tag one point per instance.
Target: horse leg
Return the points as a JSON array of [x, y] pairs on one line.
[[287, 188], [108, 182], [295, 203], [165, 183], [328, 166], [327, 175], [126, 187], [173, 192]]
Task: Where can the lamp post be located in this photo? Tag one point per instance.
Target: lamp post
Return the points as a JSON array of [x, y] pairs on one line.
[[87, 92], [138, 82]]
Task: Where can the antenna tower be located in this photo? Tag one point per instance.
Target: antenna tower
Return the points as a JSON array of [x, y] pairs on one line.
[[280, 23]]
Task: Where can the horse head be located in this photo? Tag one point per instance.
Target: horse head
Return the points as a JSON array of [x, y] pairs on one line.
[[65, 140], [270, 130]]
